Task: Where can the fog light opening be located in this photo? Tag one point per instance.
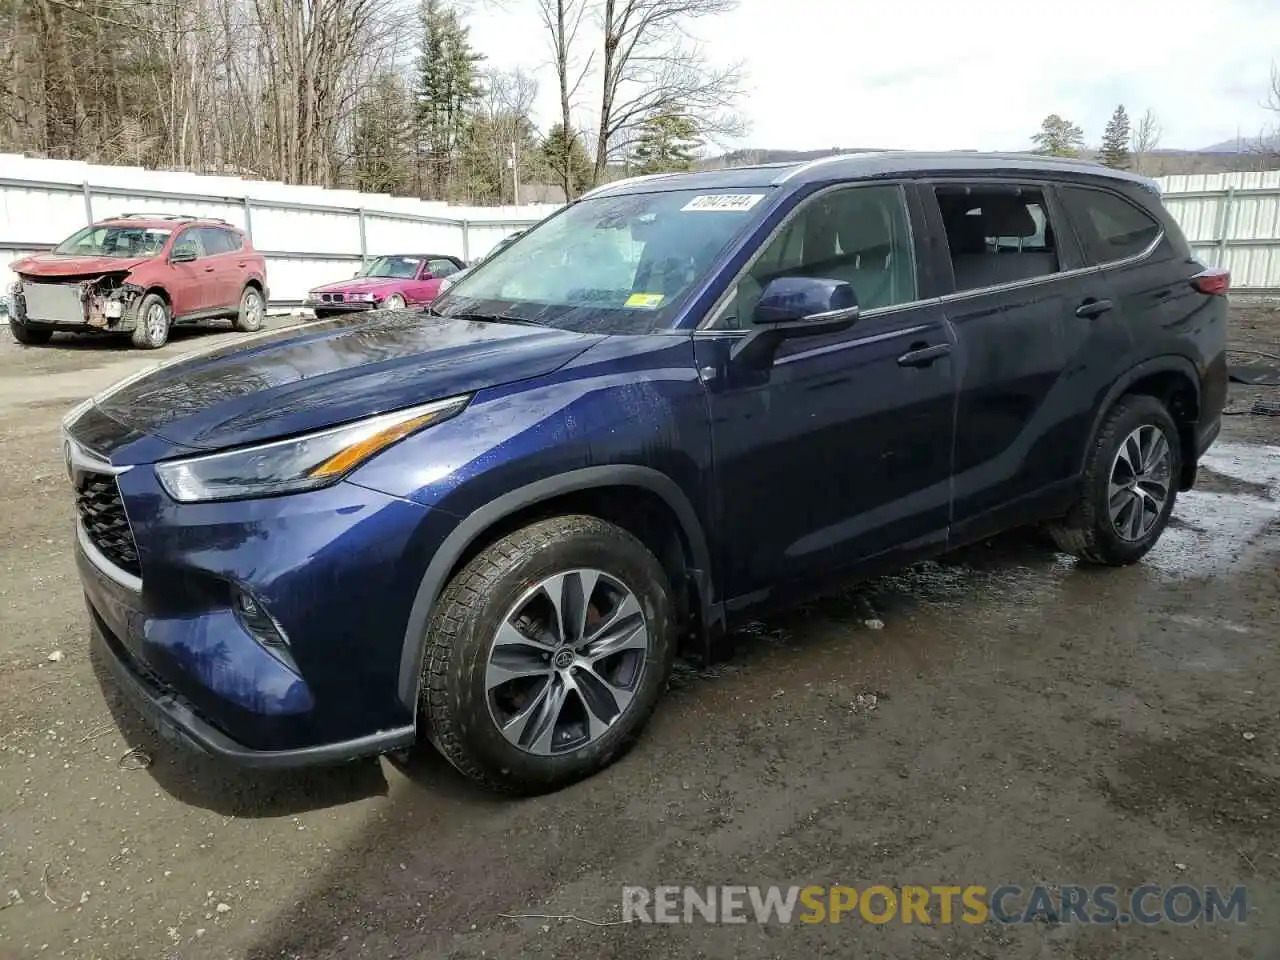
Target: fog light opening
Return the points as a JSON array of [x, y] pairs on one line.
[[255, 619]]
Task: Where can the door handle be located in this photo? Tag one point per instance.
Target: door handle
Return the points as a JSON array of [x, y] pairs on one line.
[[208, 269], [922, 355], [1093, 308]]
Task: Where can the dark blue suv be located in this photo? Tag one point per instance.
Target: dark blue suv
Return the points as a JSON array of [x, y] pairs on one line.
[[680, 399]]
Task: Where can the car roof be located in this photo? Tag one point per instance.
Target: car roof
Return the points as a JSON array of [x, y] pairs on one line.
[[869, 165]]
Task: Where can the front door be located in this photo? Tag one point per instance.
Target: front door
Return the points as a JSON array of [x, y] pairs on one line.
[[836, 458], [190, 285]]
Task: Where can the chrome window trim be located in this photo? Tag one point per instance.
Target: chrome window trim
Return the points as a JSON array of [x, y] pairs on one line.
[[705, 325], [1050, 277]]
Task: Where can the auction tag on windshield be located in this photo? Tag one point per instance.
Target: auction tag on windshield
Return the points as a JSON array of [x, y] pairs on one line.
[[648, 300], [725, 202]]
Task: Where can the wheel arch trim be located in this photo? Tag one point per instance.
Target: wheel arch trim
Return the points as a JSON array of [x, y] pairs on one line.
[[1167, 363], [479, 521]]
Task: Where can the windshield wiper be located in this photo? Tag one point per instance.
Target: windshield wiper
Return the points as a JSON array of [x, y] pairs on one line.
[[486, 318]]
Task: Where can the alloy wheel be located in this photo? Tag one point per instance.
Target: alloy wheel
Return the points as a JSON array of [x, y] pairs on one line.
[[252, 309], [156, 322], [1139, 484], [566, 662]]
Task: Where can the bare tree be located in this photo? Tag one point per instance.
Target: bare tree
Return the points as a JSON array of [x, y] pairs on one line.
[[651, 66], [505, 124], [563, 22], [1145, 138]]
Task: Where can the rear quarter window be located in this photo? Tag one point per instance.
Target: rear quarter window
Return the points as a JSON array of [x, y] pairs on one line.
[[1111, 227]]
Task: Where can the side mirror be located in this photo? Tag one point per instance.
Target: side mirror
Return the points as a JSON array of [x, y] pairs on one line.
[[795, 307], [182, 256]]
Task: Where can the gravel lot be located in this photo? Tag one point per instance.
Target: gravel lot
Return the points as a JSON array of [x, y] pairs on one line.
[[1016, 720]]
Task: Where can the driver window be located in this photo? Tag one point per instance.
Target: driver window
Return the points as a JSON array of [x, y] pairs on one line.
[[189, 240], [857, 234]]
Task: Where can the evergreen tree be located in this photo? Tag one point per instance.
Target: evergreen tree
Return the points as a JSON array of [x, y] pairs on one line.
[[567, 160], [447, 88], [1115, 141], [666, 143], [383, 130], [1058, 137]]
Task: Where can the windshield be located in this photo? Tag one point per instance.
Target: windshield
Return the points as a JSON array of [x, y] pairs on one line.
[[606, 265], [405, 268], [114, 241]]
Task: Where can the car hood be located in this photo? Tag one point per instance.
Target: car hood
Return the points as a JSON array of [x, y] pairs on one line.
[[361, 284], [316, 375], [57, 265]]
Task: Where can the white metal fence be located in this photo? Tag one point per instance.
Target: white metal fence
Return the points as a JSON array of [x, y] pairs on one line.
[[309, 235], [312, 235], [1232, 220]]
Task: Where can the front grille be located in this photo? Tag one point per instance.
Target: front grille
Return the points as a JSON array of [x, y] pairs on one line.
[[103, 518], [332, 297]]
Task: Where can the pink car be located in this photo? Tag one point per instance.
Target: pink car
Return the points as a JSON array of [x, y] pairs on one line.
[[389, 282]]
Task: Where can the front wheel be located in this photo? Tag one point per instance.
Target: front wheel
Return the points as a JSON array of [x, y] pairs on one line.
[[1130, 485], [393, 302], [29, 336], [547, 654], [252, 309], [152, 331]]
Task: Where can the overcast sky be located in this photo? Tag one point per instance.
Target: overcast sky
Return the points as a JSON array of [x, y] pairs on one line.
[[963, 74]]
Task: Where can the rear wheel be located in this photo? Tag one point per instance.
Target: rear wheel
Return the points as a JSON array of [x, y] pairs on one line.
[[547, 655], [152, 330], [29, 336], [1130, 485], [252, 310]]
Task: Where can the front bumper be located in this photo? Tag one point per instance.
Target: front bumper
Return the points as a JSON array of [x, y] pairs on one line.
[[114, 313], [336, 569], [175, 719], [343, 307]]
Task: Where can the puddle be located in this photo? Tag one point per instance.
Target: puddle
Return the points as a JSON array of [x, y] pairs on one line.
[[1212, 529]]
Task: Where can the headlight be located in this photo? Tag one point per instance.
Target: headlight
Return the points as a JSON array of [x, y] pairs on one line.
[[299, 463], [361, 297]]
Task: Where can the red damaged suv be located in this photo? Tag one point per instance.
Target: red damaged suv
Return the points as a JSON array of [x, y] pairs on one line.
[[140, 274]]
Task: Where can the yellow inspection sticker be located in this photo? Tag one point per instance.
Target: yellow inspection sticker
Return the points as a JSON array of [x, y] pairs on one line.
[[649, 300]]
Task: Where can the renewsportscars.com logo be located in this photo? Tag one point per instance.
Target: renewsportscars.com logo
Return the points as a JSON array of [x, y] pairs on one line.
[[1103, 904]]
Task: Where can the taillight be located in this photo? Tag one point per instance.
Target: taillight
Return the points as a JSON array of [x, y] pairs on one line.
[[1213, 281]]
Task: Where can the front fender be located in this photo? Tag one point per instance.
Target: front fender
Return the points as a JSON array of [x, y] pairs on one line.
[[630, 411]]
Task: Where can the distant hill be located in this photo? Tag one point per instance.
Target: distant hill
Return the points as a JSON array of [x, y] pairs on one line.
[[1245, 145]]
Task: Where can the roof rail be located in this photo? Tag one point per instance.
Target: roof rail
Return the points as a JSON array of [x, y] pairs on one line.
[[605, 187], [168, 216]]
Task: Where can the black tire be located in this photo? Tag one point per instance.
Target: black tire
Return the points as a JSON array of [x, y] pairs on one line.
[[29, 336], [325, 314], [152, 335], [454, 701], [1088, 531], [252, 310]]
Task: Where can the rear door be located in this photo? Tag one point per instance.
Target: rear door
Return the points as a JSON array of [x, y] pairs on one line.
[[221, 267], [1033, 328]]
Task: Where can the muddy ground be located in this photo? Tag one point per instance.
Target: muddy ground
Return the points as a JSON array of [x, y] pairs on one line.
[[1016, 720]]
